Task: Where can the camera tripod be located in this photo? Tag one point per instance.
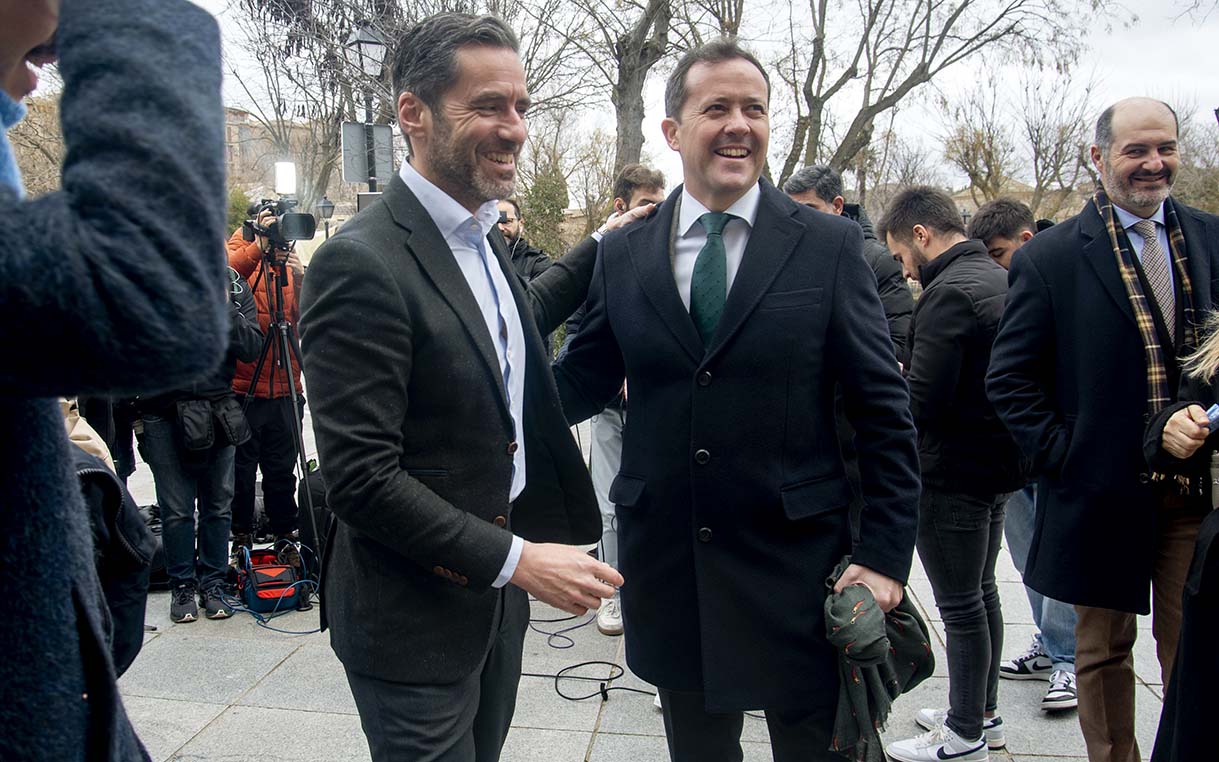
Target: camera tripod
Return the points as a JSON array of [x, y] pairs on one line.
[[279, 346]]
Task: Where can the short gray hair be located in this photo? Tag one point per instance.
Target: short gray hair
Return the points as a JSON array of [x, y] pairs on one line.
[[818, 178], [716, 51], [425, 61]]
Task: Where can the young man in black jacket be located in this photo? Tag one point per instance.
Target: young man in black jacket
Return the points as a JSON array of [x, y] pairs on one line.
[[970, 464], [820, 187]]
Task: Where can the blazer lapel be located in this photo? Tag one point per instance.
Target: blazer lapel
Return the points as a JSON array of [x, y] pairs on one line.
[[1098, 252], [771, 243], [425, 242], [648, 247]]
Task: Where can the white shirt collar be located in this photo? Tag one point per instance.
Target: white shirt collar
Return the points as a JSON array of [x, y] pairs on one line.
[[1127, 219], [745, 207], [450, 216]]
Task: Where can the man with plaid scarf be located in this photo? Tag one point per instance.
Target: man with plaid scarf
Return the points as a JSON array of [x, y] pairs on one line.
[[1101, 309]]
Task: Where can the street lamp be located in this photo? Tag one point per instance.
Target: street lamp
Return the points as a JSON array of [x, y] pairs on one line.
[[325, 208], [365, 50]]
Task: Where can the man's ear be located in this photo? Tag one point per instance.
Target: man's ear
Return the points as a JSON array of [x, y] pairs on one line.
[[1026, 236], [414, 118], [669, 126], [619, 205], [838, 203], [1097, 158]]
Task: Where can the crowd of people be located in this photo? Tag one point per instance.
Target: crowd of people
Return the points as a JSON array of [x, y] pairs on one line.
[[778, 424]]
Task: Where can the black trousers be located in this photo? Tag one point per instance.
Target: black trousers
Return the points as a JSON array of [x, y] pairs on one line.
[[272, 447], [696, 735], [466, 721]]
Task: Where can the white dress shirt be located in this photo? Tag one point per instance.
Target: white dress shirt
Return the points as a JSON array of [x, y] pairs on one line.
[[691, 236], [466, 236], [1127, 219]]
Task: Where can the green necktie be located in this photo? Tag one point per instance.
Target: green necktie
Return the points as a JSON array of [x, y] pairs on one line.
[[709, 282]]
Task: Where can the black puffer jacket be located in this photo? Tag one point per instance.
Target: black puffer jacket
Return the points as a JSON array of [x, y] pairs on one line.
[[894, 292], [963, 446], [528, 261]]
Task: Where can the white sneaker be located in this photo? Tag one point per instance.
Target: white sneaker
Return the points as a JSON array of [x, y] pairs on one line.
[[939, 744], [609, 617], [992, 727], [1062, 693], [1033, 664]]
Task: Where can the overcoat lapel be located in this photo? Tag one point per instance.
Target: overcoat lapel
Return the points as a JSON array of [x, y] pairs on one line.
[[425, 242], [1199, 249], [648, 246], [1098, 252], [771, 243]]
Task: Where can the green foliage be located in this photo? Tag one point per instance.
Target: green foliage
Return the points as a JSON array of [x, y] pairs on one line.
[[544, 202], [239, 204]]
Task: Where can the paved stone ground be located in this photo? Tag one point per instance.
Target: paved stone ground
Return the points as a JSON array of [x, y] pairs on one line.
[[232, 690]]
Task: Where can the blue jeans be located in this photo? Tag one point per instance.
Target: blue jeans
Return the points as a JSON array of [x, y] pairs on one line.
[[177, 491], [1055, 620], [958, 541]]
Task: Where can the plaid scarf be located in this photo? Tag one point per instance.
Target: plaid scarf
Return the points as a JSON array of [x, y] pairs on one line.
[[1158, 393]]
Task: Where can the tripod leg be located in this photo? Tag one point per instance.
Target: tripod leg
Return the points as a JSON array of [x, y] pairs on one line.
[[286, 348]]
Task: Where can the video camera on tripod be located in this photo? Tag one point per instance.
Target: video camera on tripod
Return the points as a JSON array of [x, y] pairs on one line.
[[288, 226]]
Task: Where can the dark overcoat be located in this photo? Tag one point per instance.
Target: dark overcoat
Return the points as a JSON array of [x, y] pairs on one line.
[[1068, 376], [732, 499]]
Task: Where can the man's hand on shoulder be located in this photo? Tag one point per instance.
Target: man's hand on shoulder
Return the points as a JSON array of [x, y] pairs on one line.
[[886, 590], [564, 577], [617, 220]]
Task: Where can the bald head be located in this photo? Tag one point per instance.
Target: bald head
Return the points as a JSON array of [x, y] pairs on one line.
[[1130, 109], [1136, 153]]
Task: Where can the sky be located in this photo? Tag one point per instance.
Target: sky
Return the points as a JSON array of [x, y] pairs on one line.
[[1163, 54]]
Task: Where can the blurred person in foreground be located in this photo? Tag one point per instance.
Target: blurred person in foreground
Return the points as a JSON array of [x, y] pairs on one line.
[[95, 282]]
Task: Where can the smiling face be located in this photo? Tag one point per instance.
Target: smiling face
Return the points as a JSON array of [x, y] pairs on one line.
[[469, 145], [26, 31], [1139, 167], [722, 132]]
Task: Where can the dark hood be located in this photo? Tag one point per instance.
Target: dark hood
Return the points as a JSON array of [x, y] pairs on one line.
[[855, 212]]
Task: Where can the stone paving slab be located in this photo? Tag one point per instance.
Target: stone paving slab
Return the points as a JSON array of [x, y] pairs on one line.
[[233, 690]]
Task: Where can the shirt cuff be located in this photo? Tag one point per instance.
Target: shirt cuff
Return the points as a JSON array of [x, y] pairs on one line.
[[598, 234], [514, 558]]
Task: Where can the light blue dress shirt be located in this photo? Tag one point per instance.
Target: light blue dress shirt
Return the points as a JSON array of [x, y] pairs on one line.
[[466, 236]]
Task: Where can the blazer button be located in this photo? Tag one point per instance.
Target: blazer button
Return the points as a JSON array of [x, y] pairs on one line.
[[512, 448], [463, 580], [702, 457], [704, 378], [501, 521], [1144, 478], [704, 534], [438, 571]]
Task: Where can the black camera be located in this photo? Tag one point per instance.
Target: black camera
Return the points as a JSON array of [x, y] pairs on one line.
[[288, 226]]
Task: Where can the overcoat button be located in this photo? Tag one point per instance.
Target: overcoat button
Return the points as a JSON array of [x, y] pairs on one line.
[[704, 534], [704, 379], [702, 457]]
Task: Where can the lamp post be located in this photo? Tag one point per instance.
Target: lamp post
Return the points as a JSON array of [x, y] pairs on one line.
[[325, 208], [365, 50]]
